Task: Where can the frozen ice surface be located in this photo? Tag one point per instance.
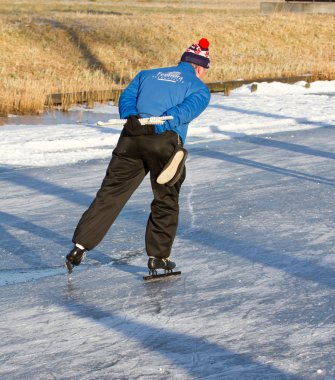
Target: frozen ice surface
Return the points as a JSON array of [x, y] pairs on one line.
[[255, 246]]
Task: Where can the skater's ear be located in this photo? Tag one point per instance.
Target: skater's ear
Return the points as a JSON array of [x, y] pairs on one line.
[[200, 72]]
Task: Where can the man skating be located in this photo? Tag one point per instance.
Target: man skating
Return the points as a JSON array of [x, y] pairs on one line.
[[178, 92]]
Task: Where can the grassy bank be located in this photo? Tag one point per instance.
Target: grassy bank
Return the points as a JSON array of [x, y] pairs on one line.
[[66, 46]]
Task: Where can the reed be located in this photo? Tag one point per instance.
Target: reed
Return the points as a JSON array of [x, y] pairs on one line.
[[65, 46]]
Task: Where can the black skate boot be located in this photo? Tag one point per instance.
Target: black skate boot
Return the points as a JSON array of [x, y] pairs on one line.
[[155, 263], [74, 258]]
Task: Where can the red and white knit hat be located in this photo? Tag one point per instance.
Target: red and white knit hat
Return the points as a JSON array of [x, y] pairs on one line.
[[197, 54]]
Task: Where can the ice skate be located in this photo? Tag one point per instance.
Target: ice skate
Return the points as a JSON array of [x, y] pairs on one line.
[[155, 263], [74, 258]]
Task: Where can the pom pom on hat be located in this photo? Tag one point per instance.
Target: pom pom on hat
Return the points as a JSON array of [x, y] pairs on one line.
[[204, 43], [197, 54]]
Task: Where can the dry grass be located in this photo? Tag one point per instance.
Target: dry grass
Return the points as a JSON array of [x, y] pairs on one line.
[[64, 46]]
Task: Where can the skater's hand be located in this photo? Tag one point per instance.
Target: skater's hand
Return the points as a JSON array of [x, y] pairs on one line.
[[133, 122], [133, 127]]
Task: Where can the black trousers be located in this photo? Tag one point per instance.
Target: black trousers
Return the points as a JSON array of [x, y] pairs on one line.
[[132, 159]]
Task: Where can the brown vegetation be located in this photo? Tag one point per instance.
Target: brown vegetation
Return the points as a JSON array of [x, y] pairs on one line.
[[66, 46]]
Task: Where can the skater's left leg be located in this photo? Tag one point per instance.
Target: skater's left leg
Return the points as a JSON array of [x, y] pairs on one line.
[[124, 174]]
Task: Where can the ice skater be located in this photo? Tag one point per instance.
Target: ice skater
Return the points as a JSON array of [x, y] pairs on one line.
[[176, 91]]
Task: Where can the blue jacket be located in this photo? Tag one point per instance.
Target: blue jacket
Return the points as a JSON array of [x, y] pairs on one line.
[[171, 91]]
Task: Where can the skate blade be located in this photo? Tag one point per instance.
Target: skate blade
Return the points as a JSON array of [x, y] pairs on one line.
[[161, 275], [68, 266]]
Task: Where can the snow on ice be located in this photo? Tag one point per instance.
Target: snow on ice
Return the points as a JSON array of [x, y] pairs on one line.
[[255, 246]]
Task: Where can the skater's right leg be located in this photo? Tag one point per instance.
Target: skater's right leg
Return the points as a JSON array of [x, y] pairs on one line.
[[124, 174]]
